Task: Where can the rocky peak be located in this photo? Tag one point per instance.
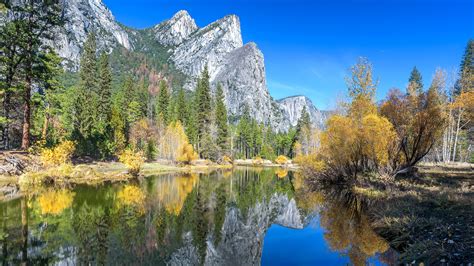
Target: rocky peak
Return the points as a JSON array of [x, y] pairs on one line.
[[242, 76], [293, 106], [82, 17], [208, 46], [174, 31]]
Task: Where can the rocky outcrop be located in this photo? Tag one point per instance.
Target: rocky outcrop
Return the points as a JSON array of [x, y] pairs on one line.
[[242, 76], [81, 18], [176, 30], [208, 46], [293, 106], [242, 238]]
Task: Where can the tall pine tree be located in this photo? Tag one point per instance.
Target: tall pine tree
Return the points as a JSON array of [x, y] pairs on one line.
[[203, 107], [35, 21], [415, 82], [163, 102], [182, 112], [221, 121], [105, 91], [85, 109]]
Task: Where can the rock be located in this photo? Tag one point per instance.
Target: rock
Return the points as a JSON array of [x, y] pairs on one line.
[[176, 30], [293, 106]]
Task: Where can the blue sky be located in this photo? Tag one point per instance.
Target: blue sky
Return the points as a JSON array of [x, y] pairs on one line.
[[309, 45]]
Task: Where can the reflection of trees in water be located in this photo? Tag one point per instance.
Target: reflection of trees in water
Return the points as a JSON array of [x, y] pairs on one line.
[[55, 201], [348, 229], [127, 224], [91, 226]]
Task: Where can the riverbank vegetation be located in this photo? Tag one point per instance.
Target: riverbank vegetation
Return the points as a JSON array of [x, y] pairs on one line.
[[393, 136]]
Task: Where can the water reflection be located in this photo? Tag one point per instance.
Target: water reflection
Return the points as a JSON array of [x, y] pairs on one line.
[[216, 218]]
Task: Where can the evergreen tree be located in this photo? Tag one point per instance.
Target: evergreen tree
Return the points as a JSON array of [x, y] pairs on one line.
[[182, 112], [466, 82], [244, 134], [304, 121], [34, 22], [105, 91], [203, 107], [85, 105], [163, 102], [221, 120], [415, 82]]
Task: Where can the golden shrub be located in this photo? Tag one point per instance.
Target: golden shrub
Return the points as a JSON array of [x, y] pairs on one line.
[[311, 162], [186, 154], [282, 159], [133, 161], [58, 155], [258, 160], [226, 159]]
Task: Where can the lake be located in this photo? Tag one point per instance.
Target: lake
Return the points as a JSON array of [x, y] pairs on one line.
[[245, 216]]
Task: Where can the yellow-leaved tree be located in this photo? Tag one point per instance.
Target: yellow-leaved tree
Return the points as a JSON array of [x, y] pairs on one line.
[[186, 154], [133, 160], [360, 140]]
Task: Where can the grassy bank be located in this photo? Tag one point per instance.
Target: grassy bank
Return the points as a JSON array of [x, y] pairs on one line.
[[428, 217]]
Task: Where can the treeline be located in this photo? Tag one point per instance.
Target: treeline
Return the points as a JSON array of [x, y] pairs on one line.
[[433, 124]]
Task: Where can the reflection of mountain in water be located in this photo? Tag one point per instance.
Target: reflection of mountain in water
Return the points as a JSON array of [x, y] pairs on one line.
[[242, 237]]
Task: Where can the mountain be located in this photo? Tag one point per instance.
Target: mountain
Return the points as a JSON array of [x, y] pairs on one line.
[[179, 48], [82, 16], [293, 106]]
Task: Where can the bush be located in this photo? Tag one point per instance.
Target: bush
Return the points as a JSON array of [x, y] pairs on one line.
[[282, 159], [58, 155], [186, 154], [133, 161], [258, 160], [310, 163]]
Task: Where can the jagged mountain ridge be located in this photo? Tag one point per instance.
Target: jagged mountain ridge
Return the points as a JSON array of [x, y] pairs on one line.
[[239, 68], [293, 106]]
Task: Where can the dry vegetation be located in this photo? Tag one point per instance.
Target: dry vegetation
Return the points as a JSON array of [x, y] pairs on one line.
[[427, 218]]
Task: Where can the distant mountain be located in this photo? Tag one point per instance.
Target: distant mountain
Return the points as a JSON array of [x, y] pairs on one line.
[[180, 45], [293, 106]]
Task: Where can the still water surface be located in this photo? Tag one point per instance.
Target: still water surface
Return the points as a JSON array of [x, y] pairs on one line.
[[240, 217]]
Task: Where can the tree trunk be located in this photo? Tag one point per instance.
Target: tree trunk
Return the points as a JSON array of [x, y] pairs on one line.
[[6, 108], [457, 134], [25, 141]]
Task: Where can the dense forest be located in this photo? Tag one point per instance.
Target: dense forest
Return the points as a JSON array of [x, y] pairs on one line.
[[103, 112]]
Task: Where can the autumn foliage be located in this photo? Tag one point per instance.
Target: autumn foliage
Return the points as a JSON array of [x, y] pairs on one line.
[[281, 159], [58, 155], [186, 154], [133, 160]]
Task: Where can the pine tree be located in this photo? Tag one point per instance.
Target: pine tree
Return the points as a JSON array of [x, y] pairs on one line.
[[182, 112], [304, 121], [85, 108], [163, 102], [466, 74], [34, 22], [203, 107], [415, 82], [105, 90], [221, 120]]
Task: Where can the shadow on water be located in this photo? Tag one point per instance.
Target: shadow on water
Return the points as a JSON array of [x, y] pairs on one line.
[[219, 218]]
